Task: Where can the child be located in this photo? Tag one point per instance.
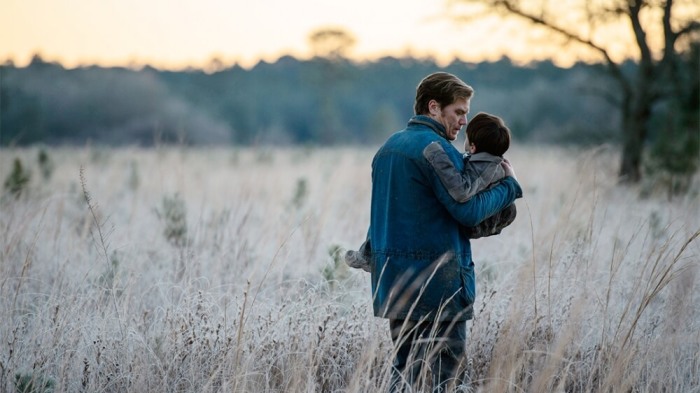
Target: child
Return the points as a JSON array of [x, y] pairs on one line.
[[488, 139]]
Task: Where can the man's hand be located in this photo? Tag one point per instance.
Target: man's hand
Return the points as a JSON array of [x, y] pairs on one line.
[[508, 168]]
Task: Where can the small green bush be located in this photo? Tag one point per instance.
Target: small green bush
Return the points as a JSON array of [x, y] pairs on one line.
[[336, 270], [173, 213], [18, 180], [46, 164], [31, 383]]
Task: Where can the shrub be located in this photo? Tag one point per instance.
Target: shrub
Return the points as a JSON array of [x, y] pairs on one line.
[[45, 164], [18, 180], [31, 383], [173, 213]]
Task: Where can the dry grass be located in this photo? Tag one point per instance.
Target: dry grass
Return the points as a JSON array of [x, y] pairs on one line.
[[592, 289]]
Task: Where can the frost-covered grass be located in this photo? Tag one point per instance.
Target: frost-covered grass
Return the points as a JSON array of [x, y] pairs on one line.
[[215, 271]]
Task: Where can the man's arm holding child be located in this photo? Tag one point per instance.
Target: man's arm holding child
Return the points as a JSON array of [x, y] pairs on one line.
[[462, 186]]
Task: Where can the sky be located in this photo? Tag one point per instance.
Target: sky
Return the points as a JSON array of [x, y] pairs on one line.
[[175, 34]]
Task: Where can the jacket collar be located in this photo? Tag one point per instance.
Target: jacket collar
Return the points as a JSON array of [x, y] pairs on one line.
[[428, 122], [483, 156]]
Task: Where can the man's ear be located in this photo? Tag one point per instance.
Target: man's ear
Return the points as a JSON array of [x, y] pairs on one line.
[[434, 107]]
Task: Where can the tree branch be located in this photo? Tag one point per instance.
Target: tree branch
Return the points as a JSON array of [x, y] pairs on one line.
[[687, 29], [640, 35], [669, 36], [512, 8]]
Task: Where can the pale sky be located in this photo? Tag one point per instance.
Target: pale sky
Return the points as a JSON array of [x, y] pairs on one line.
[[179, 33]]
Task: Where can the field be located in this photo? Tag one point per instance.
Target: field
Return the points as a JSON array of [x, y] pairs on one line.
[[218, 270]]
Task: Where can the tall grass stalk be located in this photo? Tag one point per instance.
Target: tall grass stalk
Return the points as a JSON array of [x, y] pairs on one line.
[[101, 243]]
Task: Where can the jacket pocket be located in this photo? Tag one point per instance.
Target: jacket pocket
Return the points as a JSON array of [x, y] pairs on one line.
[[468, 284]]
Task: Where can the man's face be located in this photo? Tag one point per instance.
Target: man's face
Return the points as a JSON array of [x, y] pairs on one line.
[[453, 116]]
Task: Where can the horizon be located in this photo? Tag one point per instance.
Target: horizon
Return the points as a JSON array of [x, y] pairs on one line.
[[221, 66]]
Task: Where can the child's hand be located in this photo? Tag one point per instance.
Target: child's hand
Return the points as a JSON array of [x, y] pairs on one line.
[[508, 168]]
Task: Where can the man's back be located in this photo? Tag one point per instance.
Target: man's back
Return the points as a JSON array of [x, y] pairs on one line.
[[421, 260]]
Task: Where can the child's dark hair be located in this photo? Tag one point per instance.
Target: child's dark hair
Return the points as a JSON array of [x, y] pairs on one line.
[[489, 134]]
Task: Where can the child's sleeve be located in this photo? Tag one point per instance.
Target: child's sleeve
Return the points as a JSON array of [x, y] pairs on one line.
[[460, 185]]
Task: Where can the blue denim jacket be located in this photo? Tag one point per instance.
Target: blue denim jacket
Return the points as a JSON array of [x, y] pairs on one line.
[[421, 262]]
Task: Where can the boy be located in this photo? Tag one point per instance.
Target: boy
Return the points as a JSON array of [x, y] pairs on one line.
[[488, 139]]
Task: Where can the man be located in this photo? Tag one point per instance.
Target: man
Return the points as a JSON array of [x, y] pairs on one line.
[[422, 270]]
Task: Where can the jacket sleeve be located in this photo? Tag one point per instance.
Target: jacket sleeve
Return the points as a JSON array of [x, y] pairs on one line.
[[482, 205], [458, 184], [479, 207], [494, 224]]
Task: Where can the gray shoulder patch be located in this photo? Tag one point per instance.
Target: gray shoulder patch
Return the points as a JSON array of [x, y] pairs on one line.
[[460, 186]]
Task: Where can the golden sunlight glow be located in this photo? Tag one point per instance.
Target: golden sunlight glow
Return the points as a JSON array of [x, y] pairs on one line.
[[178, 34]]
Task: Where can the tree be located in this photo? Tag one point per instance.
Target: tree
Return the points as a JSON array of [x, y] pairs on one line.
[[330, 46], [331, 43], [656, 76]]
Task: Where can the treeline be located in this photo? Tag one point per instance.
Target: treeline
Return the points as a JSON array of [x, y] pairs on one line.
[[291, 101]]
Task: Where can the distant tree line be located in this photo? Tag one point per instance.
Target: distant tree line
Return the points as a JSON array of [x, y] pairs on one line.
[[327, 100], [319, 101]]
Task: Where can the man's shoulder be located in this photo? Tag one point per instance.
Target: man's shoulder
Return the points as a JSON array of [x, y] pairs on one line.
[[412, 142], [442, 151]]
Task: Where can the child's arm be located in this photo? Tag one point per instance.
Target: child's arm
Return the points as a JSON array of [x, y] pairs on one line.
[[460, 185]]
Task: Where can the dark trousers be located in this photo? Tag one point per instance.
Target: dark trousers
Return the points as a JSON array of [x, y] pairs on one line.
[[440, 346]]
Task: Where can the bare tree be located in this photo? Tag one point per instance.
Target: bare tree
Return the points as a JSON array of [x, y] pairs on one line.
[[657, 73]]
